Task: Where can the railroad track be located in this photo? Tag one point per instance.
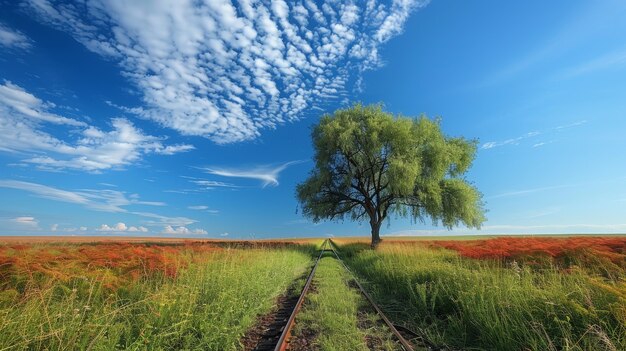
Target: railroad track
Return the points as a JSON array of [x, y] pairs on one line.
[[277, 338]]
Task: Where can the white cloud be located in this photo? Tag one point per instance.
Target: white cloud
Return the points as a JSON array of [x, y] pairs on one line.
[[181, 230], [227, 72], [56, 228], [211, 184], [529, 135], [94, 150], [15, 101], [11, 38], [46, 192], [28, 221], [100, 200], [165, 220], [121, 227], [174, 149], [543, 143], [268, 175], [224, 234], [203, 208], [138, 229], [512, 141]]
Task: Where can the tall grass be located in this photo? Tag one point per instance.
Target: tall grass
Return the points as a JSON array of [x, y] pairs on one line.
[[495, 304], [337, 315], [208, 304]]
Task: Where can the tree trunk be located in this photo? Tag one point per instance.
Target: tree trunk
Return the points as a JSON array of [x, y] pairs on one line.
[[375, 233]]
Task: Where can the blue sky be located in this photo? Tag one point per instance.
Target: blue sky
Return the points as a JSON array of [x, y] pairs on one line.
[[178, 119]]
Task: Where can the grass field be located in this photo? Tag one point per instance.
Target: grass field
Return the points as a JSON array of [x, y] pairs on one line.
[[336, 316], [515, 293], [139, 296], [503, 293]]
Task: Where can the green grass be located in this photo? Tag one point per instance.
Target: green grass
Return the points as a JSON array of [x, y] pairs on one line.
[[208, 306], [338, 315], [491, 305]]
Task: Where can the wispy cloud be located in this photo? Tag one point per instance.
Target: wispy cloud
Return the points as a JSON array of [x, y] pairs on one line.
[[268, 175], [46, 191], [15, 101], [27, 220], [55, 228], [529, 191], [21, 116], [570, 125], [542, 143], [512, 141], [208, 184], [541, 212], [599, 63], [100, 200], [227, 71], [158, 219], [12, 38], [531, 135], [203, 208]]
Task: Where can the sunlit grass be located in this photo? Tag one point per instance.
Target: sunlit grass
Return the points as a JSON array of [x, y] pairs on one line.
[[497, 304], [331, 313], [212, 299]]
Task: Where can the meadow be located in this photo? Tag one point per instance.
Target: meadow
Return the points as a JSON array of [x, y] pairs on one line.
[[501, 293], [504, 293], [155, 296]]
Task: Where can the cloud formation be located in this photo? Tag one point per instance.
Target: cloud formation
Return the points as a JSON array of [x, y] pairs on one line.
[[183, 230], [94, 150], [530, 135], [28, 221], [122, 227], [226, 71], [11, 38], [105, 200], [268, 175]]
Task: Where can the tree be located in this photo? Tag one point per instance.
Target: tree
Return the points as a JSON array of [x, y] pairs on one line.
[[370, 163]]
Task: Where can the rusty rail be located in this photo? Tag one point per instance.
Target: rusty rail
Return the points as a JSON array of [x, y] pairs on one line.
[[405, 344], [283, 341]]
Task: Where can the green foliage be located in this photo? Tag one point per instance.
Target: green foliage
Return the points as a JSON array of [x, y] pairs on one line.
[[370, 164]]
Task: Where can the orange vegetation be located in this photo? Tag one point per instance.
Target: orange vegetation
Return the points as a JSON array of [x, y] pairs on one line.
[[611, 248], [112, 263]]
